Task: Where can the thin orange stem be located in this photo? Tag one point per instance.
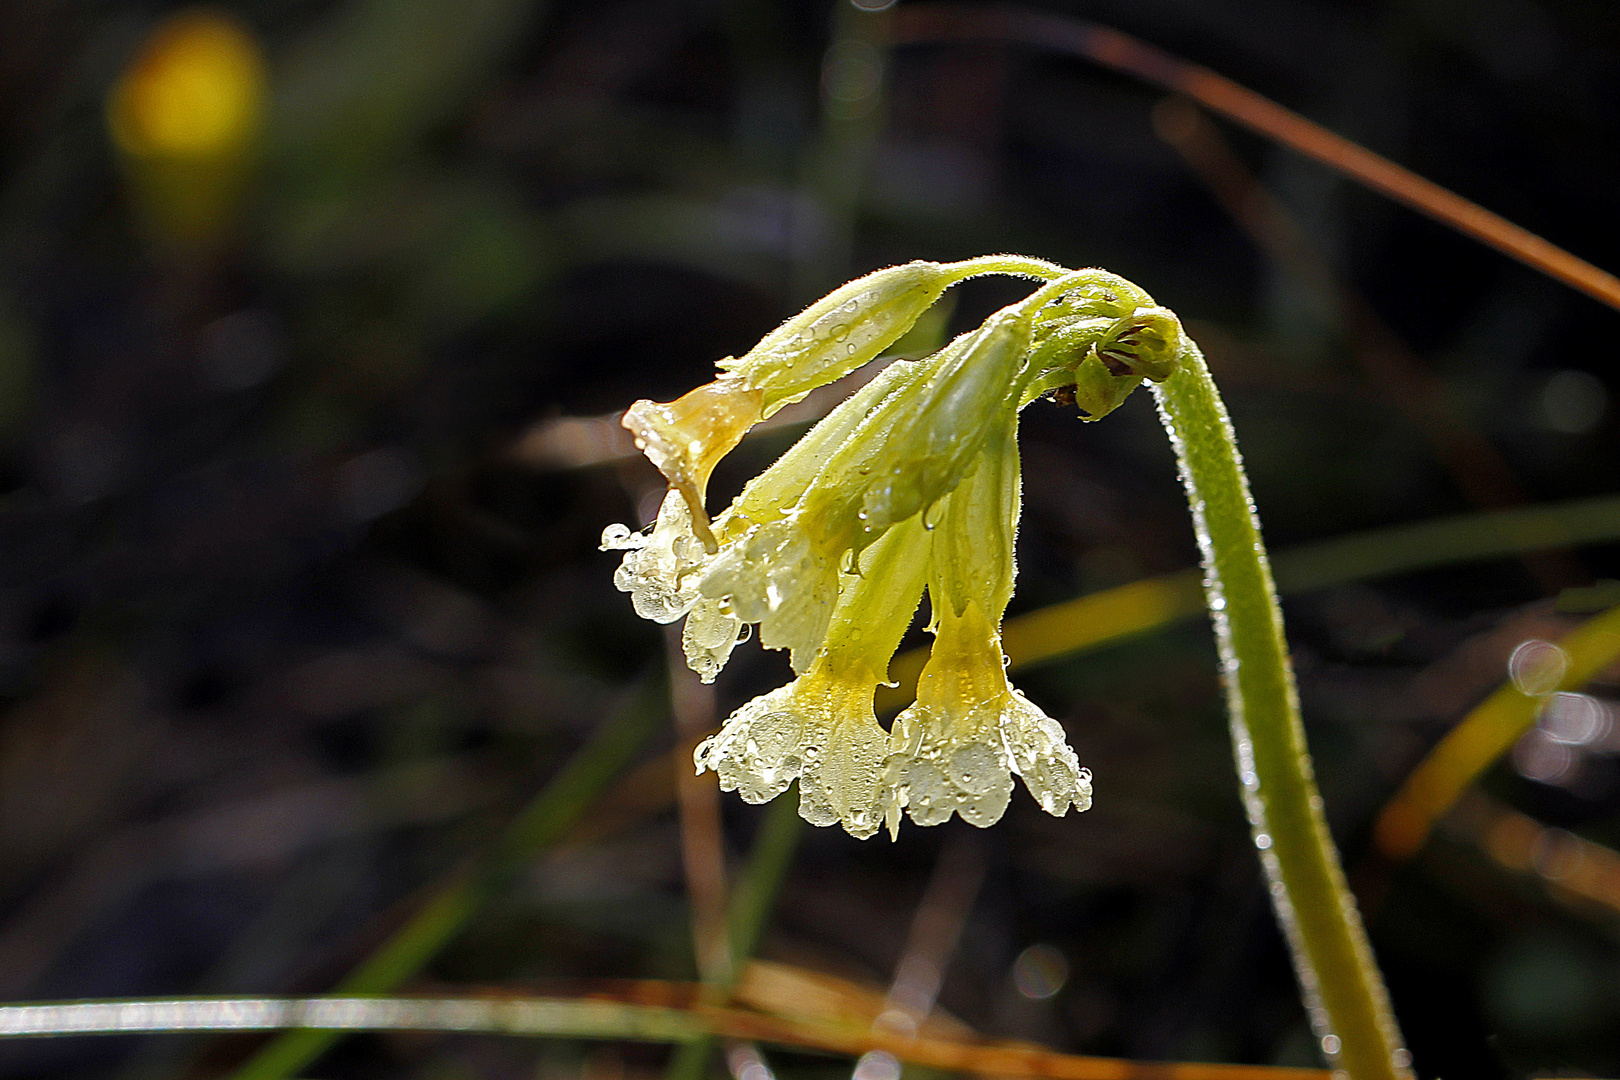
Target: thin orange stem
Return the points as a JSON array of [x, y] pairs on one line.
[[926, 23]]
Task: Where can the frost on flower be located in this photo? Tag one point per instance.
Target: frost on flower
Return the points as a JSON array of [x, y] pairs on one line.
[[910, 484]]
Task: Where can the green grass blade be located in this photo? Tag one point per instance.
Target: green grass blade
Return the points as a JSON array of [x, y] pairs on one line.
[[540, 823]]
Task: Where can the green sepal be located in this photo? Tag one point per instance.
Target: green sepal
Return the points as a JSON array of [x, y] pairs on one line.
[[932, 447], [840, 332], [1098, 391]]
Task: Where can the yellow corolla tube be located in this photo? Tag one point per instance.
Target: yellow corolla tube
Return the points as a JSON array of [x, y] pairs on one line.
[[186, 117]]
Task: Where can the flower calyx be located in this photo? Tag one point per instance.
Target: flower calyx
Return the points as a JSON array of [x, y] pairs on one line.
[[1097, 342]]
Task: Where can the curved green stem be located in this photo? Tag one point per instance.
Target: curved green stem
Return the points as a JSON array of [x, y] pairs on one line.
[[1344, 994], [1011, 265]]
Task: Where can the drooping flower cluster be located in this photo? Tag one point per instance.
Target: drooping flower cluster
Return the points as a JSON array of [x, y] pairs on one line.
[[910, 485]]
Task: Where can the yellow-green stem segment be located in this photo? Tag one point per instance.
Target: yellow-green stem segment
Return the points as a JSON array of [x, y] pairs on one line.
[[1344, 993]]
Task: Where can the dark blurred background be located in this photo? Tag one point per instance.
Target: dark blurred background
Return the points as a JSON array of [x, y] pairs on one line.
[[301, 597]]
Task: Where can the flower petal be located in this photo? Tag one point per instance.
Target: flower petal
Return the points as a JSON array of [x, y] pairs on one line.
[[687, 437], [658, 567], [710, 633], [1042, 756], [757, 751], [820, 728], [956, 748]]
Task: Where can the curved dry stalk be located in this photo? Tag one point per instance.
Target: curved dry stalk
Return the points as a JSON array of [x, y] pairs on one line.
[[591, 1018], [930, 23]]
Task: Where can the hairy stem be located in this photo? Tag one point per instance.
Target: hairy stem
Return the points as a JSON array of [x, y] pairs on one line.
[[1344, 993], [1010, 265]]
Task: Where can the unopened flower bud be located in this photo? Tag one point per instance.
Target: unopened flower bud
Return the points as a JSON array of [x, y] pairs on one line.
[[1097, 362], [1098, 391], [1147, 342]]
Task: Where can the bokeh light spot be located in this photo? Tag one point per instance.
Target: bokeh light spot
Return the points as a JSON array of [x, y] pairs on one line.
[[1040, 972], [1537, 667]]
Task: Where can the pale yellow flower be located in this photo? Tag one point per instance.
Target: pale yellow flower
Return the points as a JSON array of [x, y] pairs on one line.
[[820, 728], [955, 750], [910, 484]]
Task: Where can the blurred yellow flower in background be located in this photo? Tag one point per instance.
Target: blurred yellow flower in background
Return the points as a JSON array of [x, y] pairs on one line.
[[186, 117]]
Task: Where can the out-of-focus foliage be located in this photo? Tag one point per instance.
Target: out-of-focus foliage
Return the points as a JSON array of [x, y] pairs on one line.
[[294, 618]]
